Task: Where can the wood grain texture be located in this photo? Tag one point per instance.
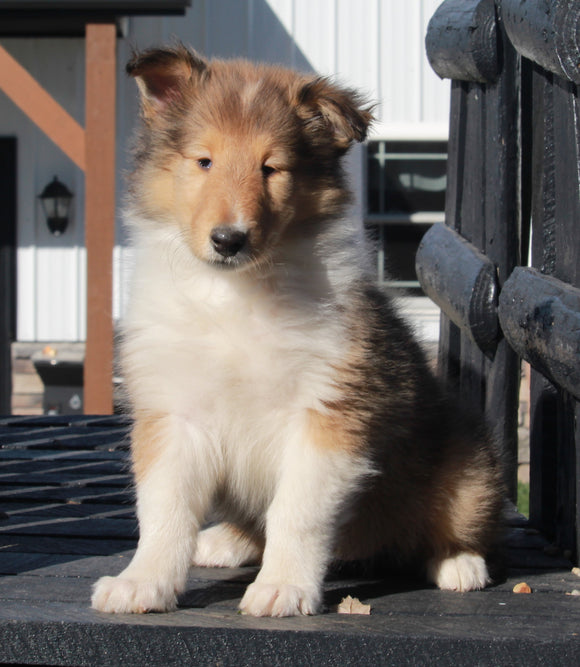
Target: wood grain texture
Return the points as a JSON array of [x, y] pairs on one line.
[[462, 42], [53, 547], [546, 32], [555, 253], [462, 281], [100, 215], [540, 317]]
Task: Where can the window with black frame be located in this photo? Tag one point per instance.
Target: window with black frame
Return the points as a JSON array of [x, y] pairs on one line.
[[406, 183]]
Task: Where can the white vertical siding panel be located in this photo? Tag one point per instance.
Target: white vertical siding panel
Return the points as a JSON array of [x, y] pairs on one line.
[[122, 269], [149, 33], [56, 291], [314, 31], [78, 298], [435, 93], [82, 301], [15, 124], [227, 28], [357, 56], [270, 33], [191, 28], [60, 67], [117, 282], [26, 293], [357, 45], [282, 10], [400, 62], [127, 118]]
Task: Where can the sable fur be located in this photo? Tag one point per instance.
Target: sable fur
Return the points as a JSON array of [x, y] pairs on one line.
[[274, 387]]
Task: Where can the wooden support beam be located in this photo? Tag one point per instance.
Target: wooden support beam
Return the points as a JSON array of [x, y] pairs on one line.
[[546, 33], [462, 41], [540, 317], [100, 215], [41, 108], [462, 281]]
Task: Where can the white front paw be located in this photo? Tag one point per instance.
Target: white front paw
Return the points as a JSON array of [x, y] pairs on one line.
[[464, 572], [279, 599], [131, 596]]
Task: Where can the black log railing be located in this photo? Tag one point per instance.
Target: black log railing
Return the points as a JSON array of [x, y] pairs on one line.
[[505, 269]]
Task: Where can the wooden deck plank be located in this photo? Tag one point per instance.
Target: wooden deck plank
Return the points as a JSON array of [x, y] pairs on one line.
[[60, 439], [385, 598], [16, 453], [66, 478], [57, 538], [72, 545], [99, 494], [66, 510], [77, 468], [72, 527], [411, 629]]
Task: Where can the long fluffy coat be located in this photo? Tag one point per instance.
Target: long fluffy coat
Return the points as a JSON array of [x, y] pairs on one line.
[[275, 389]]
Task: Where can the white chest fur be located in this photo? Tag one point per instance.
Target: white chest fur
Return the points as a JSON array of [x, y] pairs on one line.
[[226, 348]]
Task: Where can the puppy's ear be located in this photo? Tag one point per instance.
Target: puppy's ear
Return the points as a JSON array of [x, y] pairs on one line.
[[164, 76], [334, 113]]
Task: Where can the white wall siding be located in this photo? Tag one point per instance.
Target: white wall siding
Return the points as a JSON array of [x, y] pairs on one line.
[[400, 61], [50, 270], [376, 46]]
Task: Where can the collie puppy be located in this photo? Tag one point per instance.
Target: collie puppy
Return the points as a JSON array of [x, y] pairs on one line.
[[275, 391]]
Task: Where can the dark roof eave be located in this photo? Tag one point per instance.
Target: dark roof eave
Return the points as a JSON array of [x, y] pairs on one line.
[[112, 7], [67, 18]]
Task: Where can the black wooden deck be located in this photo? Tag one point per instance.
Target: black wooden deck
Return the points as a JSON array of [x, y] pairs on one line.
[[66, 518]]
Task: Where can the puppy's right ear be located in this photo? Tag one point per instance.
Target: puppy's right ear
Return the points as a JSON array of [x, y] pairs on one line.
[[165, 75]]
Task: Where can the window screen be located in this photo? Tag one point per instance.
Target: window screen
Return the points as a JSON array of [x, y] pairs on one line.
[[406, 195]]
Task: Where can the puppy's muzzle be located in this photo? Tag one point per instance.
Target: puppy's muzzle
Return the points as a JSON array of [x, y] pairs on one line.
[[227, 241]]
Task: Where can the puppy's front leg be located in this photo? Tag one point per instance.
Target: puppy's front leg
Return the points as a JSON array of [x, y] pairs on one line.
[[174, 473], [319, 475]]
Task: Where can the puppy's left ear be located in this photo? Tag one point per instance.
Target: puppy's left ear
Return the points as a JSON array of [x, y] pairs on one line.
[[165, 76], [334, 113]]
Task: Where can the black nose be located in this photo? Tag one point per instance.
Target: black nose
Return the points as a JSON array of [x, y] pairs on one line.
[[228, 241]]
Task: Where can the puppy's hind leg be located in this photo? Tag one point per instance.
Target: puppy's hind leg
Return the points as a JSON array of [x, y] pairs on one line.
[[463, 572], [174, 473], [226, 545], [472, 527]]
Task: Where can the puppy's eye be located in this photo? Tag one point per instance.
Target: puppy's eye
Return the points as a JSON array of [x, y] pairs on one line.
[[204, 163], [267, 170]]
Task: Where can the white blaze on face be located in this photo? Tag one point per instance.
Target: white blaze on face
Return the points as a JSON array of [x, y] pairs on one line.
[[249, 93]]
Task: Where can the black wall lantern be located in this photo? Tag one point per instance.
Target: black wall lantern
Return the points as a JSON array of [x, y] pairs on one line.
[[56, 200]]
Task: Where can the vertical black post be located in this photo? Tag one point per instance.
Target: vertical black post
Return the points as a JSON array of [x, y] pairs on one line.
[[501, 241], [554, 437], [543, 395], [566, 135], [482, 205], [449, 334], [7, 267]]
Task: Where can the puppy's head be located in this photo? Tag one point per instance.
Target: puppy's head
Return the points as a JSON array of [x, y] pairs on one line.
[[239, 156]]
